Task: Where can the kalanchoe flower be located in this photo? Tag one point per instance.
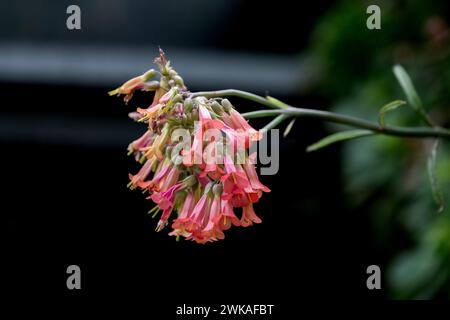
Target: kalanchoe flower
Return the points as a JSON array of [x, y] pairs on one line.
[[203, 184], [132, 85]]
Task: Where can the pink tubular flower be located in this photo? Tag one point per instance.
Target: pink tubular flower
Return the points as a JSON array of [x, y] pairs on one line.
[[164, 217], [227, 216], [212, 230], [160, 173], [138, 179], [213, 156], [206, 121], [140, 144], [250, 170], [132, 85], [235, 140], [170, 179], [249, 216], [200, 213], [164, 200], [240, 123], [150, 112], [192, 216], [185, 213], [195, 154], [158, 144], [234, 182]]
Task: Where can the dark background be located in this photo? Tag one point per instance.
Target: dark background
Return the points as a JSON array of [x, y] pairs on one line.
[[64, 166]]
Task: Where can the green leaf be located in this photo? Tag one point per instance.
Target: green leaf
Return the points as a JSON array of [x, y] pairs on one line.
[[410, 92], [389, 107], [435, 188], [275, 122], [340, 136], [288, 128], [277, 102], [412, 271], [408, 87]]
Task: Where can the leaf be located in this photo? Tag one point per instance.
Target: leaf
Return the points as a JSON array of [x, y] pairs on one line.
[[340, 136], [275, 122], [432, 176], [412, 271], [410, 92], [389, 107], [407, 86], [288, 128], [277, 102]]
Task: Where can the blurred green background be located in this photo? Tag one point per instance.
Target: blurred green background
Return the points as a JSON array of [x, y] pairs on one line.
[[386, 177]]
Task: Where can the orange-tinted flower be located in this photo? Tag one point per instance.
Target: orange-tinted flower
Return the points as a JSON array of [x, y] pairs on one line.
[[132, 85]]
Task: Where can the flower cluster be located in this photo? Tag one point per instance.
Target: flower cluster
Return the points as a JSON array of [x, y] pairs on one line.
[[195, 158]]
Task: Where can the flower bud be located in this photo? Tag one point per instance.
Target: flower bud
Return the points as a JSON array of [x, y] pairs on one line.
[[178, 161], [135, 116], [194, 115], [164, 83], [172, 73], [217, 108], [188, 105], [208, 187], [178, 80], [227, 105], [168, 151], [178, 98], [165, 68], [217, 190], [189, 181], [151, 86], [148, 75]]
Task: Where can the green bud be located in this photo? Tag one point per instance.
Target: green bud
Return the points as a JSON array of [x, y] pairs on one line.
[[217, 190], [217, 108], [178, 161], [194, 115], [189, 181], [172, 73], [166, 69], [168, 151], [148, 75], [188, 105], [178, 80], [151, 86], [209, 187], [164, 84], [178, 98], [227, 105]]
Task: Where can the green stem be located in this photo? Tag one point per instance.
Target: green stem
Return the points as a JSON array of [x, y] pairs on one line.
[[420, 132], [235, 93], [354, 122], [275, 122]]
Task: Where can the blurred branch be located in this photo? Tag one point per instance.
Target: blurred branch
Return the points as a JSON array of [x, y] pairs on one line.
[[419, 132]]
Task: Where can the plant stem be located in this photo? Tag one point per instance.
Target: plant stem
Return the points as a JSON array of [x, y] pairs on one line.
[[235, 93], [354, 122], [420, 132], [275, 122]]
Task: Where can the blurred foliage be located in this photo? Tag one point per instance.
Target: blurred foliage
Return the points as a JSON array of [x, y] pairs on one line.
[[386, 177]]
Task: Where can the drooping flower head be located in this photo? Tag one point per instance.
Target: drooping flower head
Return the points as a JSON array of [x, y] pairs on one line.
[[189, 156]]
